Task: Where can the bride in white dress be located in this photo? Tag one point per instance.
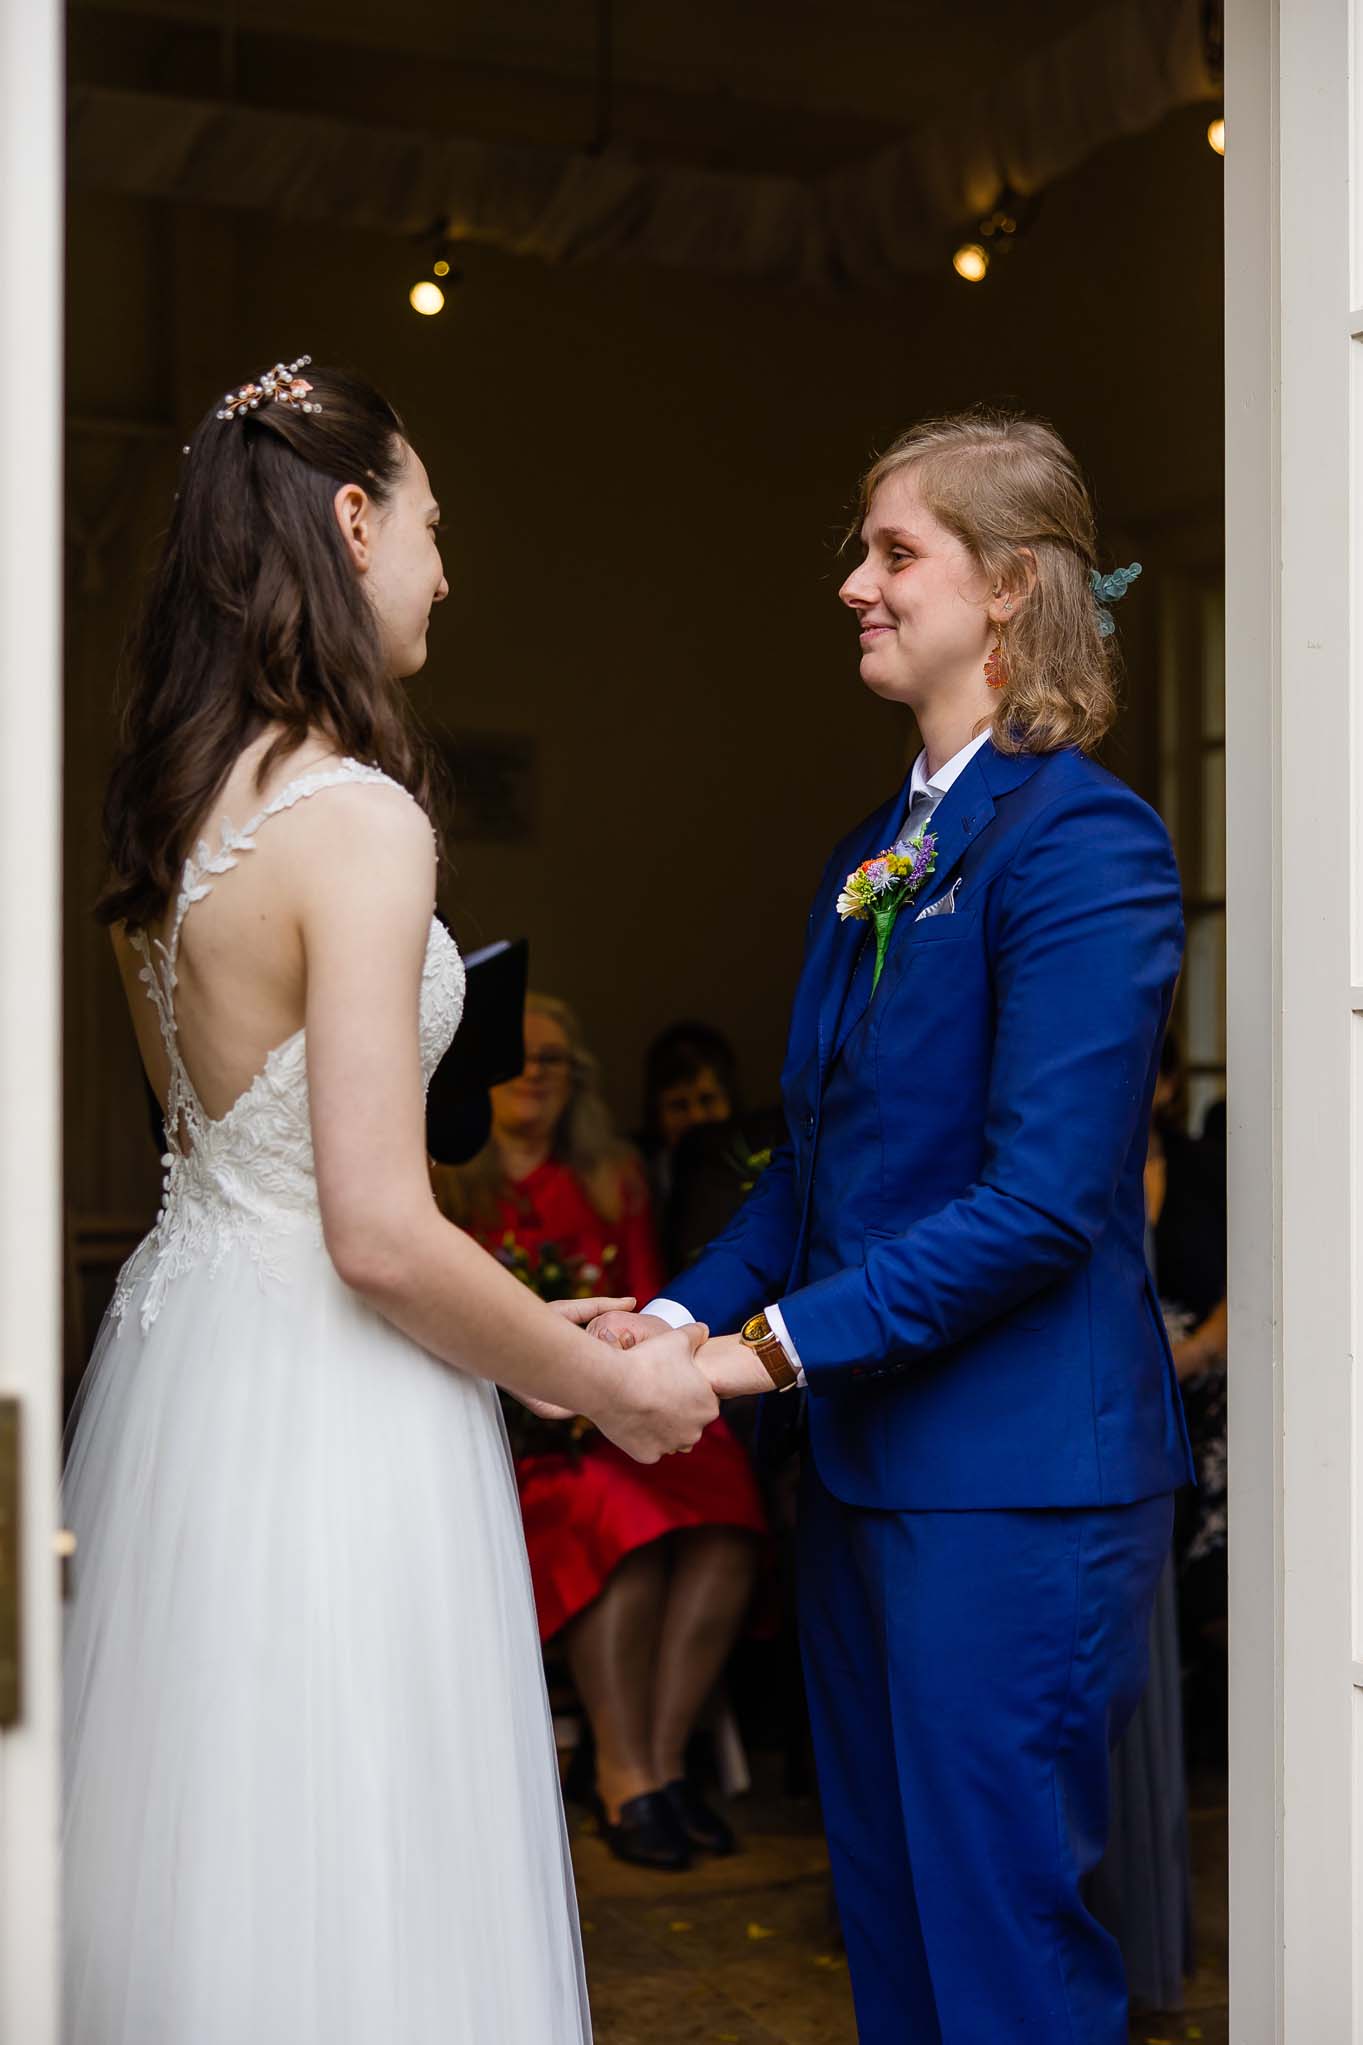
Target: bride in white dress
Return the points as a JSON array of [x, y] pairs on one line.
[[311, 1794]]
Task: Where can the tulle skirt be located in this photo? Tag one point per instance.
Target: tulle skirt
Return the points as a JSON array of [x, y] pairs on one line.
[[311, 1792]]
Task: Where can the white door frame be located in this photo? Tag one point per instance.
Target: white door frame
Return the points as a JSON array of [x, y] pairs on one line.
[[1295, 985], [1295, 910], [31, 182]]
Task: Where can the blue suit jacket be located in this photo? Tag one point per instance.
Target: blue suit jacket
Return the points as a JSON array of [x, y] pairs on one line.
[[955, 1231]]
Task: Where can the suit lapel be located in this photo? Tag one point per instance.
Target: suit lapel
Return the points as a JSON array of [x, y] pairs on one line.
[[964, 812], [846, 939]]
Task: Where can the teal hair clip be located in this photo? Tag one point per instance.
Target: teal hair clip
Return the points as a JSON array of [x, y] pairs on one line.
[[1110, 589]]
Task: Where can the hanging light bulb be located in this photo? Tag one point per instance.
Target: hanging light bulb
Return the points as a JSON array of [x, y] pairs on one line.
[[1216, 134], [971, 262], [426, 297], [440, 268]]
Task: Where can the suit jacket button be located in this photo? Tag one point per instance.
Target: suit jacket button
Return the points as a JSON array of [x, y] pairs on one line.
[[809, 1124]]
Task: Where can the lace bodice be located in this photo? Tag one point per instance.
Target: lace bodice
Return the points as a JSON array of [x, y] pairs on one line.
[[247, 1178]]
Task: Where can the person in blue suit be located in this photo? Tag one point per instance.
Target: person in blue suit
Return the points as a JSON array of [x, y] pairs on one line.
[[945, 1268]]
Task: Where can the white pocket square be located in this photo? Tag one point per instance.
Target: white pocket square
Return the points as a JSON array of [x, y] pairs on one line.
[[945, 906]]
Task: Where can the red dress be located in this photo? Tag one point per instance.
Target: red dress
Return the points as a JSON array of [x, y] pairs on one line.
[[583, 1515]]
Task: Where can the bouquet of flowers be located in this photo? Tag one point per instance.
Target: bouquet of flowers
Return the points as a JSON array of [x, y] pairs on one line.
[[550, 1273]]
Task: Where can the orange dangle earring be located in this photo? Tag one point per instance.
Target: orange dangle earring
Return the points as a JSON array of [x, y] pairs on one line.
[[996, 667]]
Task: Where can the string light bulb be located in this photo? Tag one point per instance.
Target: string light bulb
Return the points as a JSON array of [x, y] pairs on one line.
[[1216, 134], [971, 262], [427, 297]]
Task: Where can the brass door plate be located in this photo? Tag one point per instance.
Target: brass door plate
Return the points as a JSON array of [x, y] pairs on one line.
[[11, 1566]]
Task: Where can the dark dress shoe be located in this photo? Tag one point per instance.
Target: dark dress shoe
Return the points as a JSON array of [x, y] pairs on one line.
[[702, 1825], [648, 1833]]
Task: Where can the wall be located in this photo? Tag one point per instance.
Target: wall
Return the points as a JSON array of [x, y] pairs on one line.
[[644, 478]]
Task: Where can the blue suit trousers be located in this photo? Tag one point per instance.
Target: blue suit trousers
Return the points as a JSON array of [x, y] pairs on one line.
[[968, 1673]]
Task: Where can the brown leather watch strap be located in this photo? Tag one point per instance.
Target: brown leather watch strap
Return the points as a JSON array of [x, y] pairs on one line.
[[758, 1336]]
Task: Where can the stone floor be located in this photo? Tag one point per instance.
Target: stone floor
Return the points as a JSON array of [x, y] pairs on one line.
[[741, 1952]]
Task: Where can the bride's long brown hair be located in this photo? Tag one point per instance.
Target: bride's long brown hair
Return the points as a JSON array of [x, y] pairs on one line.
[[255, 616]]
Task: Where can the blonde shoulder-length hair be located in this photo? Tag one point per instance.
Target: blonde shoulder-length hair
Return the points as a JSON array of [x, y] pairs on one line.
[[585, 1140], [1012, 493]]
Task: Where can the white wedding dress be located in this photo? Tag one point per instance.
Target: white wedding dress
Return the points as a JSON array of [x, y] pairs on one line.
[[311, 1794]]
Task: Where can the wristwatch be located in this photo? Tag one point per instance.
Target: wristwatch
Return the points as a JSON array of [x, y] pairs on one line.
[[757, 1334]]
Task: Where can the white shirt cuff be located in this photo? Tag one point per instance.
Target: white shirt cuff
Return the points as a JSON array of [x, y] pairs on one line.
[[669, 1310], [677, 1316]]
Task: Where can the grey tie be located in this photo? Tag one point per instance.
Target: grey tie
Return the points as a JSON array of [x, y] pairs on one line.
[[922, 799]]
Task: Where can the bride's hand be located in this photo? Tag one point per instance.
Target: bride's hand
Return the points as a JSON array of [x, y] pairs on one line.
[[581, 1311], [659, 1403], [543, 1410]]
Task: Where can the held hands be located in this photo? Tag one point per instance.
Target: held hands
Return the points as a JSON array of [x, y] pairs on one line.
[[658, 1403], [733, 1370], [625, 1330], [657, 1406], [581, 1312]]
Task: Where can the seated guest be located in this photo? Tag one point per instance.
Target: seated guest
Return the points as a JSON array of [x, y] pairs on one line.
[[690, 1082], [705, 1149], [642, 1573]]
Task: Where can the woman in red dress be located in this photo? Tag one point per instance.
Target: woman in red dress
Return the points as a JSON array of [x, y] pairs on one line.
[[642, 1572]]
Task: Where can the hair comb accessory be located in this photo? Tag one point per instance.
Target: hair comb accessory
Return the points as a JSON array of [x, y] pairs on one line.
[[281, 385], [1110, 589]]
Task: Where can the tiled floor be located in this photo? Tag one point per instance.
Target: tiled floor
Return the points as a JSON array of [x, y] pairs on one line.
[[739, 1952]]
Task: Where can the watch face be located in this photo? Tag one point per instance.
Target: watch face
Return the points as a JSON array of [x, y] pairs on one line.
[[757, 1329]]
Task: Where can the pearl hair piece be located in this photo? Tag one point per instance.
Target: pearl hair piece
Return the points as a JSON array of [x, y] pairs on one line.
[[281, 385]]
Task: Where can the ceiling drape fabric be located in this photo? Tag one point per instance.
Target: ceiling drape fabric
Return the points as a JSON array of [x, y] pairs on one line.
[[1118, 72]]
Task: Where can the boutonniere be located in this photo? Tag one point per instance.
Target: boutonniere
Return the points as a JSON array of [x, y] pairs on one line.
[[878, 889]]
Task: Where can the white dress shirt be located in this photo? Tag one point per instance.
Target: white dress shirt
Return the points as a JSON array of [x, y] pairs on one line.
[[925, 792]]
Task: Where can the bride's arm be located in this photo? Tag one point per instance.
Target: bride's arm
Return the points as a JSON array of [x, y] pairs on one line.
[[363, 886]]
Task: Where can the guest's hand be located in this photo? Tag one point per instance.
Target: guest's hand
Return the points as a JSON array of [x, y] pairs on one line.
[[581, 1312], [658, 1403], [625, 1330], [1193, 1355], [734, 1370]]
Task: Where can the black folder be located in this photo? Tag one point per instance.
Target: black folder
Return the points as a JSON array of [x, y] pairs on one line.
[[489, 1047]]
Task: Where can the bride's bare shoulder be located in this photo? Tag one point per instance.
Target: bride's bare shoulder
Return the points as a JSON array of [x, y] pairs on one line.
[[326, 801], [363, 843], [374, 815]]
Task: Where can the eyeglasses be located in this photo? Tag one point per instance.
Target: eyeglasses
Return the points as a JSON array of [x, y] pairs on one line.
[[549, 1061]]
